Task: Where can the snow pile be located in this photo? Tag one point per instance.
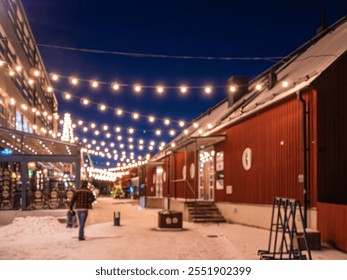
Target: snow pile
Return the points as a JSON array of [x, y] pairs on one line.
[[33, 227]]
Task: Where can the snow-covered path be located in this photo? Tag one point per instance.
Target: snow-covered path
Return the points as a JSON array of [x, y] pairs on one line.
[[44, 238]]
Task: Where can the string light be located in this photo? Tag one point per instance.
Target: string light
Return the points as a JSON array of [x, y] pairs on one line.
[[160, 89], [137, 87], [184, 89], [102, 107], [195, 125], [115, 86], [73, 81], [136, 116], [94, 84], [119, 112], [166, 121], [85, 101], [208, 89], [18, 68], [151, 119], [158, 132], [232, 88]]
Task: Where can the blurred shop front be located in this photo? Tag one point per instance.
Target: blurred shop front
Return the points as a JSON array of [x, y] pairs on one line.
[[37, 172]]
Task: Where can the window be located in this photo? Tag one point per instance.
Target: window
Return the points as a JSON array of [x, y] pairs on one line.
[[19, 120]]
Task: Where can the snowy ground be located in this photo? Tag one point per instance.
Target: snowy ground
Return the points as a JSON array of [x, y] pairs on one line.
[[45, 238]]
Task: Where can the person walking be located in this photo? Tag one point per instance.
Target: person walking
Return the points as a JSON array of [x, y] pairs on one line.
[[83, 198]]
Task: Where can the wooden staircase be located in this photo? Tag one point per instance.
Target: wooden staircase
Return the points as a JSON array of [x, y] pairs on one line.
[[204, 212]]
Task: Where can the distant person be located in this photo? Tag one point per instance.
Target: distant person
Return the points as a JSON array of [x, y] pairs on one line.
[[83, 198]]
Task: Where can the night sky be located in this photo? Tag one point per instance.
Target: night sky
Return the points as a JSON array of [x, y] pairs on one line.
[[217, 28]]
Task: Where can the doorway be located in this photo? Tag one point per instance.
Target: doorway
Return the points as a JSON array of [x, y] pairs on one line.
[[206, 174]]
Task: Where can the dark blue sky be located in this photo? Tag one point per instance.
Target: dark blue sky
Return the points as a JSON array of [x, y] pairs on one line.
[[193, 28]]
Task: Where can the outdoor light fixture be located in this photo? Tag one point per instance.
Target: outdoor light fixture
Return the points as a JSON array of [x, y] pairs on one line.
[[151, 119], [137, 88], [102, 107], [232, 88], [208, 89], [167, 122], [94, 84], [73, 81], [183, 89], [118, 111], [285, 84], [85, 101], [160, 89], [115, 86], [136, 116], [258, 87]]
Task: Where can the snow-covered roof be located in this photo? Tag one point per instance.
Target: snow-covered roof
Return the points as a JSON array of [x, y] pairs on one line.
[[299, 69]]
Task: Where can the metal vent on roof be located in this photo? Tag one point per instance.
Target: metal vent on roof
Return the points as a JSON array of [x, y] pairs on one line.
[[240, 84], [272, 79]]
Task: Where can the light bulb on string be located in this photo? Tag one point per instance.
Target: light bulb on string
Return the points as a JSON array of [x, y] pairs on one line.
[[196, 125], [94, 84], [54, 77], [136, 116], [118, 111], [184, 89], [115, 86], [85, 101], [67, 96], [172, 132], [73, 80], [151, 119], [181, 123], [18, 68], [137, 88], [108, 135], [102, 107], [167, 122], [160, 89], [208, 89], [131, 130], [158, 132], [117, 129], [92, 125], [232, 88]]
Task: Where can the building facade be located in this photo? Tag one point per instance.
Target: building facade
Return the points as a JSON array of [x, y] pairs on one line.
[[36, 169], [281, 135]]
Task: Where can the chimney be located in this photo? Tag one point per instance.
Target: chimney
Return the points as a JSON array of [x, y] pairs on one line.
[[323, 26], [237, 87]]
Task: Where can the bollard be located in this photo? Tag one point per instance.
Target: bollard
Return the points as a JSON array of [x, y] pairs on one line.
[[116, 218]]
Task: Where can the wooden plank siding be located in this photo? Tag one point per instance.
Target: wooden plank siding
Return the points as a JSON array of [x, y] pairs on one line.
[[275, 137], [332, 224], [181, 189], [332, 133], [150, 186]]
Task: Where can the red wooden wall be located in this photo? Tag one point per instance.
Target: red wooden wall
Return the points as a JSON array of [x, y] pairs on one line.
[[275, 137]]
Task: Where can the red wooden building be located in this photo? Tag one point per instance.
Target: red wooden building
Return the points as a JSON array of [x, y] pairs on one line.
[[283, 134]]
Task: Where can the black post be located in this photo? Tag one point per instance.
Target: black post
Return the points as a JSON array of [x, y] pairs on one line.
[[169, 183], [305, 150]]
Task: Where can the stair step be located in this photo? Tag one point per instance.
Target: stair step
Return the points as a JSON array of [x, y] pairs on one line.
[[204, 212]]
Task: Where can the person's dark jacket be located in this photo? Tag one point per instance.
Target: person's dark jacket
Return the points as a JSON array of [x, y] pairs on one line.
[[83, 198]]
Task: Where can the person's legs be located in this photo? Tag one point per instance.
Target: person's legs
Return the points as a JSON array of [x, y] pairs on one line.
[[82, 217]]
